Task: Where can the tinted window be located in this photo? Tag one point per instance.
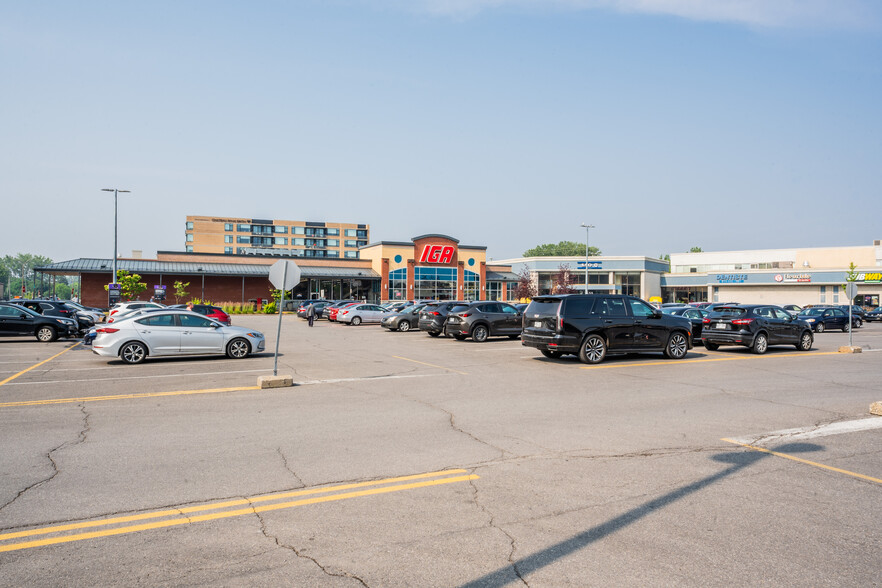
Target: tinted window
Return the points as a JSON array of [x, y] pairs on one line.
[[729, 311], [611, 307], [188, 320], [8, 311], [781, 313], [507, 309], [545, 307], [459, 308], [492, 307], [158, 320], [640, 308]]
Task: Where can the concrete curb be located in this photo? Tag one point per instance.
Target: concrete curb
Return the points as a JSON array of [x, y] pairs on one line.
[[850, 349], [876, 408], [275, 381]]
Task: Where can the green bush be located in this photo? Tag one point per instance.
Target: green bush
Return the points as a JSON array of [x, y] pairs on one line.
[[270, 307]]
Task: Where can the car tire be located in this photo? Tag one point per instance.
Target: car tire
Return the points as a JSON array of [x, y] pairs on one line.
[[846, 327], [459, 337], [677, 347], [858, 323], [433, 333], [404, 326], [480, 333], [356, 320], [805, 341], [551, 354], [711, 346], [133, 352], [760, 343], [238, 348], [593, 349], [46, 334], [819, 328]]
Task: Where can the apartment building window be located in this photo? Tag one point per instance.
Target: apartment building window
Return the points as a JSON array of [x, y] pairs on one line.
[[243, 228], [228, 238], [298, 230], [361, 234], [333, 242], [333, 232], [361, 243], [189, 238], [241, 239], [228, 250], [189, 225], [189, 249], [280, 229], [350, 243], [332, 254], [281, 240], [823, 294], [228, 226], [298, 241], [351, 254], [351, 233]]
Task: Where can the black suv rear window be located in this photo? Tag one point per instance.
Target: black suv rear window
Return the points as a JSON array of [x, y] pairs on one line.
[[544, 307], [729, 311]]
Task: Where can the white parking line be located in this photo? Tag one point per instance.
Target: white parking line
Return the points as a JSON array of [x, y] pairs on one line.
[[369, 378], [41, 382], [813, 432]]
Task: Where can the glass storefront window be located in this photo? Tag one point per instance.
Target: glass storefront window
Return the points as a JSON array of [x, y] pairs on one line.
[[398, 284], [436, 283], [471, 286]]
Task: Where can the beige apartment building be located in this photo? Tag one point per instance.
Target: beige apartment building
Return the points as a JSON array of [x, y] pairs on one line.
[[252, 236]]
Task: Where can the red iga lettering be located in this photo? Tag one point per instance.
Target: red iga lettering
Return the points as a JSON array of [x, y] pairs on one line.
[[437, 254]]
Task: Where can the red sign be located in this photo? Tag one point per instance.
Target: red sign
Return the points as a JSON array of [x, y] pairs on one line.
[[437, 254]]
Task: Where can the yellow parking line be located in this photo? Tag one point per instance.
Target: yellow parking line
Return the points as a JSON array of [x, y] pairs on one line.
[[184, 520], [805, 461], [124, 396], [705, 360], [441, 367], [36, 365]]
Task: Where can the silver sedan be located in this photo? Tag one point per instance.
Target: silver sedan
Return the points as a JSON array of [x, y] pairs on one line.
[[164, 333]]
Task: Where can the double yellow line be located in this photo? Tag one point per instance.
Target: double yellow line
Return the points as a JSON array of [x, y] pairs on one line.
[[179, 516]]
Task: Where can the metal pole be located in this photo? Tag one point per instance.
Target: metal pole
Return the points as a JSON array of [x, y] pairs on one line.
[[279, 329], [850, 327], [587, 233], [116, 192]]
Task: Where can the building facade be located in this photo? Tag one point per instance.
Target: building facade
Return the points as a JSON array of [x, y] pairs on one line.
[[251, 236]]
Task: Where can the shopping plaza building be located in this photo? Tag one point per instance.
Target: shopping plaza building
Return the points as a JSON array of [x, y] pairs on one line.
[[437, 266]]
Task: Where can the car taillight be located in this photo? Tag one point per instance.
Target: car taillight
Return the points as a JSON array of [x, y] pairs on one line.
[[465, 314], [742, 321], [560, 324], [706, 321], [113, 312], [435, 313], [106, 330], [345, 312]]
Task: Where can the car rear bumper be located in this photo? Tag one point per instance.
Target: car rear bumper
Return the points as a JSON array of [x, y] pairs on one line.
[[727, 337], [551, 342]]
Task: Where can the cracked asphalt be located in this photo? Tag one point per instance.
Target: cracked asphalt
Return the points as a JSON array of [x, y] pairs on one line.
[[403, 460]]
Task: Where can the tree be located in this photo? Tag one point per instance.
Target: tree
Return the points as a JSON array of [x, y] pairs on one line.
[[180, 290], [564, 248], [695, 250], [526, 288], [851, 276], [130, 285], [563, 281], [21, 265]]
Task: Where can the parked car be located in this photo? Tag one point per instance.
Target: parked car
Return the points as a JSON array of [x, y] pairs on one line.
[[405, 320], [20, 320], [355, 314], [793, 309], [593, 326], [822, 318], [856, 311], [334, 309], [136, 312], [132, 305], [318, 306], [480, 320], [715, 305], [695, 316], [755, 326], [96, 314], [174, 332], [433, 316], [59, 309], [874, 315]]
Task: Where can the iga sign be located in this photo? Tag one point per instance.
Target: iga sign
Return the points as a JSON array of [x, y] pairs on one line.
[[437, 254]]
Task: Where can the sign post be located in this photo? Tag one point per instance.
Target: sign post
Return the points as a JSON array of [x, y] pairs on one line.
[[284, 275], [851, 290]]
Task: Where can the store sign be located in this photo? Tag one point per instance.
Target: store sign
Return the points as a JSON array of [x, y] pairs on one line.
[[437, 254], [793, 278], [158, 292], [591, 265], [731, 278], [875, 278]]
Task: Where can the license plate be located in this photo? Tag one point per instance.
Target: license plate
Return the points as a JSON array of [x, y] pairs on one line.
[[720, 326], [537, 324]]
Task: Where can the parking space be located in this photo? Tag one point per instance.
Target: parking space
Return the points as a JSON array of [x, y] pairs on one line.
[[403, 459]]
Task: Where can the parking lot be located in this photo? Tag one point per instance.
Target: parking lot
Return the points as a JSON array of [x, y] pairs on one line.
[[403, 460]]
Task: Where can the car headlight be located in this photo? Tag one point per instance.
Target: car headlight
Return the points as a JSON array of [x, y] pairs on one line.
[[809, 320], [256, 335]]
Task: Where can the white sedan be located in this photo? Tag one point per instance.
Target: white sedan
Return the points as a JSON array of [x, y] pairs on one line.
[[363, 313], [164, 333]]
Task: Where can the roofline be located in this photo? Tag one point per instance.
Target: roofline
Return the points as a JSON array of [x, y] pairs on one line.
[[428, 235]]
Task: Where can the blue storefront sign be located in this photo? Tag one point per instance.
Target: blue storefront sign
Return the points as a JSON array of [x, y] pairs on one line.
[[591, 265], [731, 278]]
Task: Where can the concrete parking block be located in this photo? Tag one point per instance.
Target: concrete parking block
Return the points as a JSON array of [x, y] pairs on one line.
[[876, 408], [850, 349], [275, 381]]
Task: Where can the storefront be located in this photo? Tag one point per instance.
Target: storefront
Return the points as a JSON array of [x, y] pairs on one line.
[[437, 267]]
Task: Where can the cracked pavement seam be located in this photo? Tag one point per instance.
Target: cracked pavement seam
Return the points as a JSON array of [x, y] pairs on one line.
[[492, 523], [81, 438], [292, 472], [295, 551]]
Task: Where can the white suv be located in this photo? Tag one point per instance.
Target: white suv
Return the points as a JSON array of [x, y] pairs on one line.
[[133, 305]]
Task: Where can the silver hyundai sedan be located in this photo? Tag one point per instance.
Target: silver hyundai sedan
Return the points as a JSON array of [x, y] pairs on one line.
[[181, 332]]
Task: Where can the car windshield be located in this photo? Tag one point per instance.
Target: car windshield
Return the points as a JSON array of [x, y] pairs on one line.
[[812, 312], [672, 309]]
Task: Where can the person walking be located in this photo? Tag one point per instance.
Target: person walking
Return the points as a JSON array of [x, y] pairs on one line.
[[310, 313]]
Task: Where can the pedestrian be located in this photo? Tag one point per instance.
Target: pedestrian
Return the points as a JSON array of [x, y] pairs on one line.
[[310, 313], [190, 305]]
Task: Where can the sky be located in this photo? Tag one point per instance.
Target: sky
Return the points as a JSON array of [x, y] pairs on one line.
[[666, 124]]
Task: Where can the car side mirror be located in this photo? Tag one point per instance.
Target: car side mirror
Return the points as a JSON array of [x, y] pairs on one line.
[[656, 313]]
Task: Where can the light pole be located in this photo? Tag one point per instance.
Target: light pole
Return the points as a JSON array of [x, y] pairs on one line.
[[587, 231], [116, 192]]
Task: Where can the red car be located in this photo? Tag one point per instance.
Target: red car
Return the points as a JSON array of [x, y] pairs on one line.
[[212, 312], [332, 311]]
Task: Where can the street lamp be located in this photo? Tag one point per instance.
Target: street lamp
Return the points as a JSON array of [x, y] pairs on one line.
[[116, 192], [587, 231]]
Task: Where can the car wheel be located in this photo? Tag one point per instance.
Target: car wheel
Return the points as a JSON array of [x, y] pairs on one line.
[[858, 323], [805, 341], [356, 320], [677, 346], [133, 352], [480, 334], [551, 354], [433, 333], [711, 346], [760, 343], [46, 334], [820, 328], [593, 349], [238, 348], [846, 328], [404, 326]]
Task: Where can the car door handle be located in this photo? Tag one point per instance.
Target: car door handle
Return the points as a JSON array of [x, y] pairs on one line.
[[608, 321]]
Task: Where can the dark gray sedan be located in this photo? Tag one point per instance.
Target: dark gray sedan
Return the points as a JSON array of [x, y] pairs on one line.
[[406, 320]]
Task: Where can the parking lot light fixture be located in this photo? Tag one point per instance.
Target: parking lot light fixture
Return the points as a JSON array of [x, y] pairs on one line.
[[587, 231], [116, 192]]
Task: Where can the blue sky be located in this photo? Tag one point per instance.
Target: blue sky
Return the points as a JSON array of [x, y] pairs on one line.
[[738, 124]]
